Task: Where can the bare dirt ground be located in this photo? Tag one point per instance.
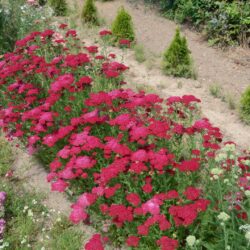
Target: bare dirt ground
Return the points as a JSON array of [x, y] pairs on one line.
[[230, 69]]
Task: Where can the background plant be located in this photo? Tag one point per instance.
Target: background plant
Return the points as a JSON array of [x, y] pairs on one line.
[[89, 12], [122, 26], [17, 18], [176, 59], [59, 7], [224, 22], [245, 106]]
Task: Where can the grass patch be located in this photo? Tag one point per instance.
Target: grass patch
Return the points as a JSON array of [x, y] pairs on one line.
[[30, 224], [139, 53], [215, 90], [6, 157]]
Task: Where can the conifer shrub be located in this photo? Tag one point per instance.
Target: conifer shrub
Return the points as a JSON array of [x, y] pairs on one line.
[[177, 60], [245, 106], [122, 26], [59, 7], [89, 12]]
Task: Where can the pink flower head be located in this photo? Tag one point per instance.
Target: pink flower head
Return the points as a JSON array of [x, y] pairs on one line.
[[189, 165], [59, 185], [152, 206], [103, 33], [86, 200], [133, 241], [192, 193], [167, 243], [77, 214], [95, 243], [134, 199]]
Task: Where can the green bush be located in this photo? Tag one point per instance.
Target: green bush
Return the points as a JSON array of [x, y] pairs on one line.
[[59, 7], [89, 12], [177, 60], [17, 19], [245, 106], [225, 22], [122, 26]]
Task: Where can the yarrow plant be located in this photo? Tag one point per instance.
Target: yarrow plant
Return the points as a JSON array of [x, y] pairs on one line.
[[141, 169]]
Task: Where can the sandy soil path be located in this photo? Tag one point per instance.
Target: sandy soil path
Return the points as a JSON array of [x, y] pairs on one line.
[[231, 69]]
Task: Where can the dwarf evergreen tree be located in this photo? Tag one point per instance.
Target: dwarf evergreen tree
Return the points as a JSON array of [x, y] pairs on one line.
[[177, 60], [89, 12], [122, 26], [59, 7], [245, 106]]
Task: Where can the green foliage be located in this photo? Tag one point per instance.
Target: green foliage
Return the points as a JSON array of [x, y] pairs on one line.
[[176, 59], [224, 22], [6, 157], [22, 209], [140, 53], [245, 106], [89, 12], [17, 19], [215, 90], [122, 26], [59, 7], [42, 2], [64, 236]]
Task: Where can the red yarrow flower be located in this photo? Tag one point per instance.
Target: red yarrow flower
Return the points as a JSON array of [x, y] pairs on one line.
[[167, 243], [133, 241], [190, 165], [95, 243], [105, 33], [134, 199]]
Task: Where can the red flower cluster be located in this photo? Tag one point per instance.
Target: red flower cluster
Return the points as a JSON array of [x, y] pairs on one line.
[[120, 152]]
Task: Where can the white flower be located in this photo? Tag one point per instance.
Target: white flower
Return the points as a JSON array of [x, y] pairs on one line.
[[245, 227], [246, 162], [191, 240], [59, 219], [229, 147], [34, 202], [30, 213], [247, 193], [216, 171], [220, 157], [247, 236], [223, 216]]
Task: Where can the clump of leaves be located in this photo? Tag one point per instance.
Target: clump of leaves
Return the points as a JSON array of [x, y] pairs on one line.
[[59, 7], [122, 26], [177, 60], [140, 53], [245, 106], [89, 12], [215, 90]]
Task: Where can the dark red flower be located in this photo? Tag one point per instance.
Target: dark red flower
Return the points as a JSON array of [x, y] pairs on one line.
[[133, 241]]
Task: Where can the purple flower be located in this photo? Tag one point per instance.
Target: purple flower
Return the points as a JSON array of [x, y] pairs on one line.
[[2, 197], [2, 227]]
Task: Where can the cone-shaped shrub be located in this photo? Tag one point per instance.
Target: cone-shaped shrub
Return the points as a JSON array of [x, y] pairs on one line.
[[177, 60], [89, 12], [59, 7], [122, 27], [245, 106]]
